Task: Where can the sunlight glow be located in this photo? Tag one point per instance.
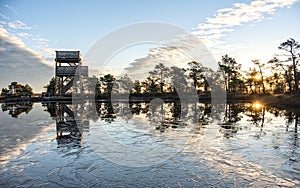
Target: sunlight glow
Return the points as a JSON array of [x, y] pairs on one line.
[[257, 77], [257, 105]]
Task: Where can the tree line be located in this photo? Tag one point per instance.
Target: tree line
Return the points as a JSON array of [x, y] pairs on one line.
[[277, 76], [16, 89]]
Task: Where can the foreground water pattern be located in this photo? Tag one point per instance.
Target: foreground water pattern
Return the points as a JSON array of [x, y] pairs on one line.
[[254, 146]]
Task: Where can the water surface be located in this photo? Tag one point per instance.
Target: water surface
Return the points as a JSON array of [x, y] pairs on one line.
[[252, 145]]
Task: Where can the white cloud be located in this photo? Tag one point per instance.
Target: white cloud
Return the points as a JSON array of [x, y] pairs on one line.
[[226, 19], [177, 52], [41, 40], [2, 23], [17, 24], [19, 63], [17, 35], [4, 17], [212, 33], [214, 30], [24, 35], [11, 8], [12, 38]]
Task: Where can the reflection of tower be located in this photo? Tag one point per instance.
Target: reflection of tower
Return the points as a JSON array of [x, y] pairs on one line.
[[68, 128], [67, 67]]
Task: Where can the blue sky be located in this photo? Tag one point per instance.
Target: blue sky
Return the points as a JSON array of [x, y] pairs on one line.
[[31, 31]]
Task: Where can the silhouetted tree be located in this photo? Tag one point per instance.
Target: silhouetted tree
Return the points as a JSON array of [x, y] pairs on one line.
[[292, 47], [161, 72], [251, 80], [90, 84], [150, 85], [195, 73], [137, 88], [15, 109], [107, 83], [278, 66], [125, 84], [178, 78], [4, 91], [17, 89], [50, 88], [231, 69], [260, 78]]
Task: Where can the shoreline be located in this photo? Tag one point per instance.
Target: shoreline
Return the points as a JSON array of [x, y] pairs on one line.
[[287, 101]]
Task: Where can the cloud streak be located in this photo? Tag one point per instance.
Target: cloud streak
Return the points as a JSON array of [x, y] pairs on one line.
[[17, 24], [242, 13], [18, 63], [11, 8], [23, 32], [176, 52], [225, 20], [212, 33]]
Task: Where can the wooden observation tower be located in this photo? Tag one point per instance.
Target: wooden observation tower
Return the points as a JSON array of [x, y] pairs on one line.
[[68, 67]]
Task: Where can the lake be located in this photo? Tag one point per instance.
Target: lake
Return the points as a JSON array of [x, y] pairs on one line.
[[148, 145]]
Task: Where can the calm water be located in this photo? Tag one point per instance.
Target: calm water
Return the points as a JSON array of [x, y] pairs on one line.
[[250, 145]]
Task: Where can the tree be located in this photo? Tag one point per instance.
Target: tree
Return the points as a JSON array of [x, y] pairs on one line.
[[97, 88], [196, 73], [278, 66], [137, 88], [107, 83], [161, 72], [17, 89], [179, 79], [292, 47], [4, 91], [27, 88], [231, 69], [125, 84], [150, 85], [251, 81], [50, 88], [90, 84], [260, 78], [278, 81]]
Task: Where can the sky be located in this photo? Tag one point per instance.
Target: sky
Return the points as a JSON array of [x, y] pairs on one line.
[[31, 31]]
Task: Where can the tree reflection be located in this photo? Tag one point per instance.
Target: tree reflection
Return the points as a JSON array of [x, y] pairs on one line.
[[136, 108], [50, 107], [15, 109], [231, 117], [175, 111], [292, 117], [123, 110], [157, 115], [105, 111], [202, 113], [256, 112], [296, 123], [164, 115]]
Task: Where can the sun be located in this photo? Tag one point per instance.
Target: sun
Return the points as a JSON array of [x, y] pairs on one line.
[[257, 77], [257, 105]]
